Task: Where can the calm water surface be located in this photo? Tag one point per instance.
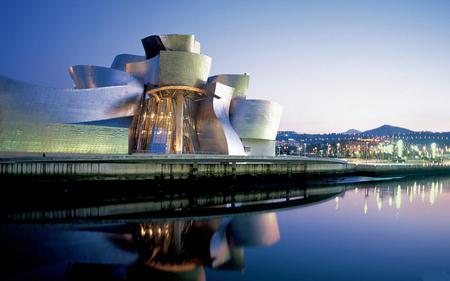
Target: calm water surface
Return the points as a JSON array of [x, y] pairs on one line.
[[395, 230]]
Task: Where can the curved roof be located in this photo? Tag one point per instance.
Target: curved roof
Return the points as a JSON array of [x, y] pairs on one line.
[[173, 68], [120, 61], [24, 102], [180, 42], [154, 44], [92, 76], [238, 81], [144, 70]]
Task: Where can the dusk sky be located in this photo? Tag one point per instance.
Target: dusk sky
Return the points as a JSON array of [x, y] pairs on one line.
[[333, 65]]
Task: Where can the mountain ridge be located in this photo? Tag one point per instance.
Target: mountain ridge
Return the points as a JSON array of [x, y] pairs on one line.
[[385, 130], [352, 132]]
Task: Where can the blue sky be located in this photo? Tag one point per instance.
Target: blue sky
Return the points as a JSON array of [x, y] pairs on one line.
[[332, 65]]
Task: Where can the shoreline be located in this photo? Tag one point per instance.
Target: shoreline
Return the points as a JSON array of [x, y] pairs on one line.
[[174, 168]]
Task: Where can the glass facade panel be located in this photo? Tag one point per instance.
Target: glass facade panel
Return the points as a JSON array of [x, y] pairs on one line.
[[154, 128]]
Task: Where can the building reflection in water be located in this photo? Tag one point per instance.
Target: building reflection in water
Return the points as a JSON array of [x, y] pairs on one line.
[[396, 196], [182, 249], [154, 250], [128, 247]]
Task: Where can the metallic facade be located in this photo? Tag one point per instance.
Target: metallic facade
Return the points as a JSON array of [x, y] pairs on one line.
[[180, 42], [120, 61], [67, 138], [237, 81], [181, 68], [163, 102], [255, 119], [256, 122], [213, 124], [172, 68], [91, 76], [25, 102]]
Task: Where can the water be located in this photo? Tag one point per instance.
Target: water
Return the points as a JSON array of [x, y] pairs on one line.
[[389, 230]]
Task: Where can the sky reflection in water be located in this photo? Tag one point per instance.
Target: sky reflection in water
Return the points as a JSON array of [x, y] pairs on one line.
[[388, 231], [398, 230]]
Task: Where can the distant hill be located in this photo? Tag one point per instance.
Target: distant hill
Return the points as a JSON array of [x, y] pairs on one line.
[[387, 130], [352, 132]]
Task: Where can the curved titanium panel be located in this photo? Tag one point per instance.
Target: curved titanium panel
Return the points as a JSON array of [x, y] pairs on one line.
[[255, 119], [92, 76], [180, 42], [143, 69], [25, 102], [215, 133], [238, 81], [182, 68], [197, 47], [259, 147], [121, 60], [152, 46]]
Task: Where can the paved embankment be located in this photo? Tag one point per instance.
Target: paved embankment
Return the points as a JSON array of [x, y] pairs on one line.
[[166, 166], [179, 167], [400, 168]]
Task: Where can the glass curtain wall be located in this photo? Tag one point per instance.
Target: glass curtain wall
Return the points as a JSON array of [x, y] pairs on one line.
[[154, 127]]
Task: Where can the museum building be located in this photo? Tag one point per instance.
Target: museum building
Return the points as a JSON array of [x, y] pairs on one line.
[[163, 102]]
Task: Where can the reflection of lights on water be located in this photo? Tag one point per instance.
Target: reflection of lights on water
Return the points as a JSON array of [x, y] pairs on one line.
[[378, 200], [379, 205], [423, 193], [337, 202], [356, 190], [415, 190], [431, 194], [410, 196], [398, 197], [395, 198]]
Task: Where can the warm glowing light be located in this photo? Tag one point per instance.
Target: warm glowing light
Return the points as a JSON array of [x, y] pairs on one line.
[[398, 197], [431, 195]]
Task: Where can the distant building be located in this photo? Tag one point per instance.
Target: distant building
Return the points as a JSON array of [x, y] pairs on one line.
[[163, 102]]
